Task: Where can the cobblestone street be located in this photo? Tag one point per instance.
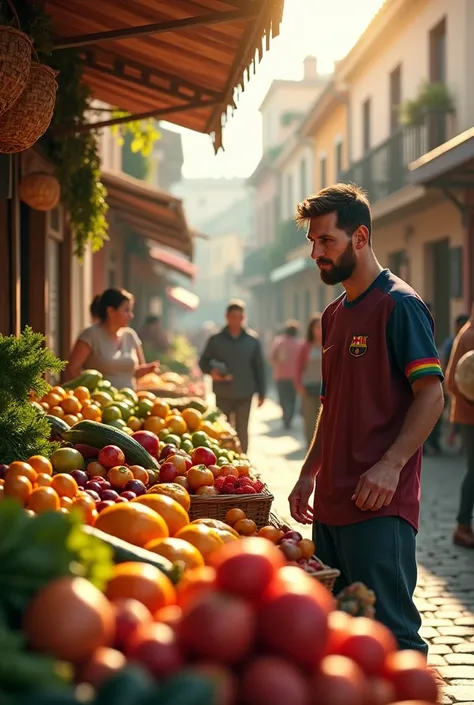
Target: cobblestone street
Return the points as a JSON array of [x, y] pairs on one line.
[[445, 593]]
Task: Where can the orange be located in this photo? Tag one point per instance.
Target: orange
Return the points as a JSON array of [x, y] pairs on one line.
[[307, 548], [193, 418], [71, 405], [175, 516], [85, 505], [52, 399], [44, 406], [132, 522], [176, 424], [199, 476], [234, 515], [91, 412], [70, 419], [43, 499], [20, 468], [245, 527], [140, 473], [57, 411], [271, 533], [41, 464], [119, 476], [65, 485], [18, 487], [82, 393], [194, 583], [155, 424], [43, 480], [134, 423], [205, 539], [173, 490], [160, 408], [59, 391], [143, 582], [65, 502], [176, 550]]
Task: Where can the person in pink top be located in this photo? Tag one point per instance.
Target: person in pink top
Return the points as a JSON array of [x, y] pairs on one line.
[[283, 357], [308, 376]]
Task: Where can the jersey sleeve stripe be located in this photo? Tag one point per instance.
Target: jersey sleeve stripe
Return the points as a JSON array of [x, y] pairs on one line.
[[422, 368]]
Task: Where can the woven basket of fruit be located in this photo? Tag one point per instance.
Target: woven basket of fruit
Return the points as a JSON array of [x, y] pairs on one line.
[[294, 552], [255, 506]]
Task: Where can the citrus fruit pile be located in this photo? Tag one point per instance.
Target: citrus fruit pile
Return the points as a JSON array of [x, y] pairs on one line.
[[265, 633]]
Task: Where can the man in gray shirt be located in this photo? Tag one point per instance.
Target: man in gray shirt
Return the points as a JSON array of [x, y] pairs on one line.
[[233, 357]]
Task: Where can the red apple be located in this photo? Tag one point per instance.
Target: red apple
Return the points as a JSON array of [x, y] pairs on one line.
[[156, 648], [167, 450], [215, 469], [93, 485], [128, 495], [182, 463], [129, 615], [109, 494], [104, 504], [292, 536], [148, 440], [111, 456], [95, 495], [168, 472], [80, 477], [136, 486], [203, 456]]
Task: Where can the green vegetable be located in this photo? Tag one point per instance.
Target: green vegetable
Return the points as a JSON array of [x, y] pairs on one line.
[[129, 687], [187, 689]]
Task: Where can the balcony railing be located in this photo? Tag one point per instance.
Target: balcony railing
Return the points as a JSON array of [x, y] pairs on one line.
[[262, 261], [383, 170]]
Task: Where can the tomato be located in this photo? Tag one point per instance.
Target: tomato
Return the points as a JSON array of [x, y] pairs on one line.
[[199, 476], [367, 643], [339, 681], [182, 463], [269, 680], [111, 456], [246, 568], [218, 627], [129, 615], [155, 647], [95, 469], [412, 680], [148, 440], [195, 582], [119, 476], [140, 473]]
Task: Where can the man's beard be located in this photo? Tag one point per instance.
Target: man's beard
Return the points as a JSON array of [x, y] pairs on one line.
[[342, 269]]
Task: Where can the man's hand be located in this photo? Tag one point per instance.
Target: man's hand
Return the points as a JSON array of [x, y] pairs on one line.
[[299, 500], [376, 487], [261, 400]]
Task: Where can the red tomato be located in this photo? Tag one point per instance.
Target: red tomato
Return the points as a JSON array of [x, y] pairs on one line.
[[339, 681], [111, 456], [270, 680], [412, 680], [155, 647], [367, 643]]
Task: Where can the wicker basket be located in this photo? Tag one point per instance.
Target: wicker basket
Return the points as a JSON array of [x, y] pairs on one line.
[[256, 506], [15, 64], [30, 117], [328, 576]]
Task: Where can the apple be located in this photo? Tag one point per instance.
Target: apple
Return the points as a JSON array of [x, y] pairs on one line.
[[203, 456], [128, 495], [292, 536], [95, 495], [109, 494], [167, 450], [80, 477], [121, 499], [215, 469], [104, 484], [147, 440], [129, 615], [168, 472], [111, 456], [136, 486], [290, 550], [94, 485], [3, 470], [104, 504], [182, 463]]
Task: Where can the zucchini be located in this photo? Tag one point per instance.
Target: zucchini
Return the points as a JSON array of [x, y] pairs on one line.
[[58, 426], [125, 552], [88, 378], [98, 435]]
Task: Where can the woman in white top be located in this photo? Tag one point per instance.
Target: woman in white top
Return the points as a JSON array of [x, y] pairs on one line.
[[110, 346]]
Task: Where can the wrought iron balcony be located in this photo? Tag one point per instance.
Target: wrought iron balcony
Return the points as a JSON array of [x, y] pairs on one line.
[[383, 170]]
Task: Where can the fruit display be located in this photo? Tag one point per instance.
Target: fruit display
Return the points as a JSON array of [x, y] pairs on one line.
[[245, 629], [171, 384]]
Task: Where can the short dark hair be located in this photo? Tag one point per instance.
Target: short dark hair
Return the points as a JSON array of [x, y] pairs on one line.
[[235, 305], [94, 307], [112, 298], [348, 201], [292, 328], [315, 318]]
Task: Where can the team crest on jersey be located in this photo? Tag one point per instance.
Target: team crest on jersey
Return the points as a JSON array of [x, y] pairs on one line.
[[358, 346]]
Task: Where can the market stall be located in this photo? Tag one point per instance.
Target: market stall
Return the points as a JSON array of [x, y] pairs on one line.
[[141, 563]]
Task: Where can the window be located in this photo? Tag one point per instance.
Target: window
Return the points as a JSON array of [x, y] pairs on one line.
[[438, 53], [366, 121], [339, 160], [395, 98], [303, 185], [322, 171]]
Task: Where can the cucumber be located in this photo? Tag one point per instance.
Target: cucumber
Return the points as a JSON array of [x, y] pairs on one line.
[[125, 552], [98, 435], [58, 426], [88, 378]]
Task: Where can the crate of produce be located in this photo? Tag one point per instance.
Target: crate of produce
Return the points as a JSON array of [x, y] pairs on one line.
[[326, 575], [256, 507]]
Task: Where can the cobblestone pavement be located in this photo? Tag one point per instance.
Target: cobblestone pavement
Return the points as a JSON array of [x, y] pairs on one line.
[[445, 592]]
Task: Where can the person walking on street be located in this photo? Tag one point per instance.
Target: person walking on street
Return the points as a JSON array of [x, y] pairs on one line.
[[381, 396], [233, 357], [308, 376], [462, 414], [283, 358]]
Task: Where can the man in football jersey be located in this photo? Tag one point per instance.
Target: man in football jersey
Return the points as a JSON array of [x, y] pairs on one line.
[[381, 396]]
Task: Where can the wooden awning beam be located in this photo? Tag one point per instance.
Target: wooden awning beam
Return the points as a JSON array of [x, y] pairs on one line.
[[247, 11], [158, 114]]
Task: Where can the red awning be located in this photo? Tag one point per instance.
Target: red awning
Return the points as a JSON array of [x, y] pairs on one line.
[[182, 297], [174, 261]]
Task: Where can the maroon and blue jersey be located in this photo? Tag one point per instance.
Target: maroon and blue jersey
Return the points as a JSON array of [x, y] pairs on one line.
[[374, 348]]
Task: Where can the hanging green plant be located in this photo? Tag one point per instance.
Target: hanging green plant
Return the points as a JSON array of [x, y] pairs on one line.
[[143, 133], [432, 98]]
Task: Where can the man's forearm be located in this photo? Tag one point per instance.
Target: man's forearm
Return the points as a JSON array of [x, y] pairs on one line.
[[424, 412], [313, 458]]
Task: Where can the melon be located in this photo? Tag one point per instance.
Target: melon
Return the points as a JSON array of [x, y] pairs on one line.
[[464, 375]]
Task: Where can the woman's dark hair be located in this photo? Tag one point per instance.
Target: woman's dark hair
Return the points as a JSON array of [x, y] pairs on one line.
[[292, 328], [315, 318], [94, 307], [112, 298]]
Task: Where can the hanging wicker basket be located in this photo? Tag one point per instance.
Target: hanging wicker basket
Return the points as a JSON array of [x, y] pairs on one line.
[[40, 191], [31, 115], [15, 63]]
